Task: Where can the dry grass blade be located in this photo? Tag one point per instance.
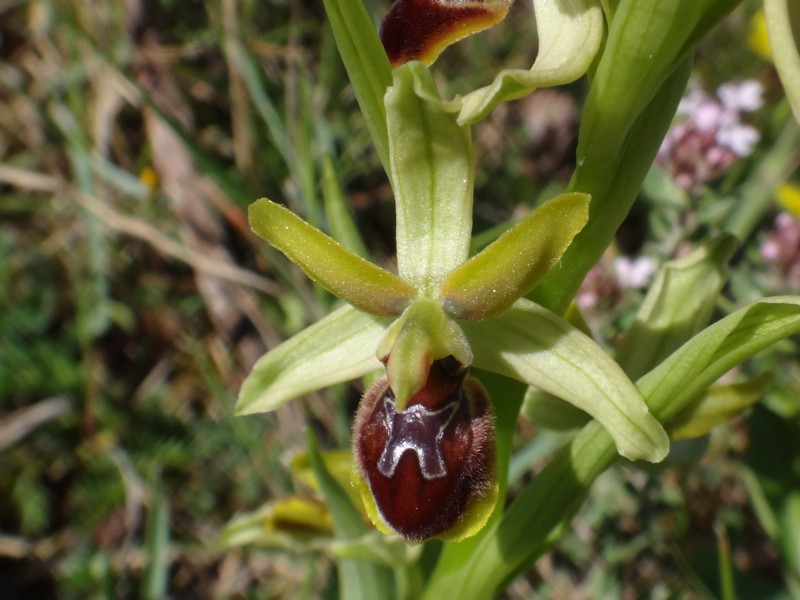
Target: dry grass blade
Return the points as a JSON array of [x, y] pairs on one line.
[[27, 420]]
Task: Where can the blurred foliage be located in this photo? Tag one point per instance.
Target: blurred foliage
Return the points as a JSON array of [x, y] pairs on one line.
[[120, 460]]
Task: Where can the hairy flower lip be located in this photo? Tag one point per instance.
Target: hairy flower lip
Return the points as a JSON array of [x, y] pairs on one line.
[[429, 471]]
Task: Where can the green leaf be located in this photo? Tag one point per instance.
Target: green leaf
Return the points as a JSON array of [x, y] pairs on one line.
[[783, 29], [697, 364], [634, 93], [432, 173], [347, 275], [569, 33], [366, 64], [677, 306], [614, 182], [491, 281], [718, 405], [337, 348], [647, 39], [532, 345], [357, 578]]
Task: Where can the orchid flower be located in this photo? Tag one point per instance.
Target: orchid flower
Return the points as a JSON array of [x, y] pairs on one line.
[[569, 31], [429, 422]]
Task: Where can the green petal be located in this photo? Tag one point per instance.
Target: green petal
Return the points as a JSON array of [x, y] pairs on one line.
[[570, 32], [532, 345], [347, 275], [491, 281], [338, 348], [783, 29], [432, 172]]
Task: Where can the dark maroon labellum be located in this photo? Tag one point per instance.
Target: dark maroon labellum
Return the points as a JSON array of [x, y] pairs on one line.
[[411, 27], [425, 464]]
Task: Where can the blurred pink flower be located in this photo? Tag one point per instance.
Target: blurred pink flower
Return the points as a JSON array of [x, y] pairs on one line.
[[712, 136], [608, 279], [782, 248]]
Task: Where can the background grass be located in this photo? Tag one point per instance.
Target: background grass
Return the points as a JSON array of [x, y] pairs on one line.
[[133, 136]]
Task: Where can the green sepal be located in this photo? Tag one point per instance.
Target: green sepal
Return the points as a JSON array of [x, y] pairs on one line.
[[718, 405], [343, 273], [338, 348], [783, 29], [424, 333], [677, 305], [569, 33], [432, 174], [532, 345], [492, 280]]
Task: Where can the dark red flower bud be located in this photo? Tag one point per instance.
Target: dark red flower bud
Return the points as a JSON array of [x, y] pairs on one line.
[[421, 29], [431, 468]]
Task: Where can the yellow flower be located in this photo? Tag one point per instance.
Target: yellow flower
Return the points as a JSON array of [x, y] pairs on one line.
[[788, 195], [757, 37]]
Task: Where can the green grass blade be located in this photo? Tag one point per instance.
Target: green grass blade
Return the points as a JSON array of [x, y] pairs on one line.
[[367, 66], [156, 546]]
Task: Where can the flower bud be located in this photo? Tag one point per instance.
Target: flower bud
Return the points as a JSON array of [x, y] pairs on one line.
[[430, 470]]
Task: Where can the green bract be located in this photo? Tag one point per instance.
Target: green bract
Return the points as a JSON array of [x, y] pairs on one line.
[[452, 307]]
